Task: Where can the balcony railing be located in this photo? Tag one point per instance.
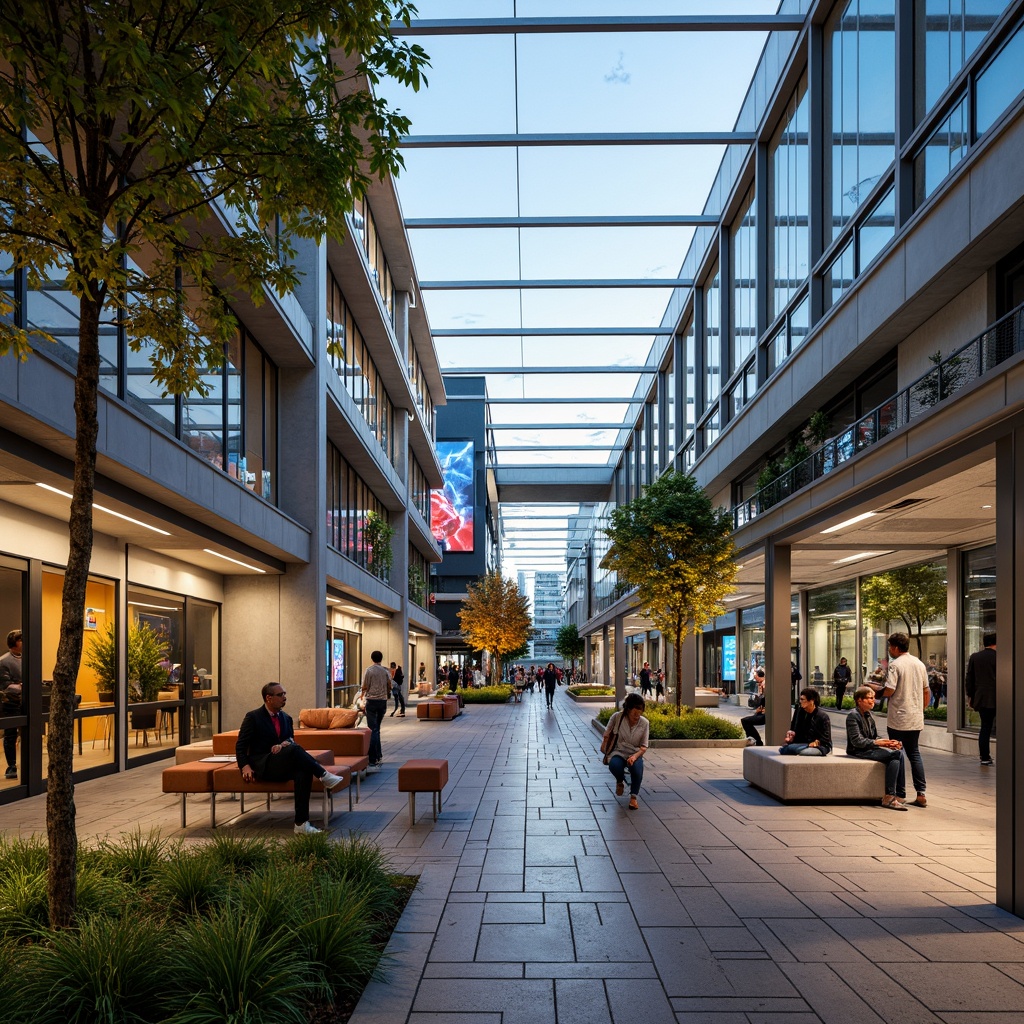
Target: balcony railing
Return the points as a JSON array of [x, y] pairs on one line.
[[1005, 338]]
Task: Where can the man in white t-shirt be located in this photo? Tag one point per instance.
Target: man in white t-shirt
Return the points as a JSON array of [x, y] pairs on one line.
[[906, 686]]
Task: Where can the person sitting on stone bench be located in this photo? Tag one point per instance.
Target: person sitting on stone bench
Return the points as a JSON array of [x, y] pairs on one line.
[[810, 732], [862, 741], [266, 750]]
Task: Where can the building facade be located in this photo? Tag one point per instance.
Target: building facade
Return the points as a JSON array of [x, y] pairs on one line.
[[243, 531], [845, 372]]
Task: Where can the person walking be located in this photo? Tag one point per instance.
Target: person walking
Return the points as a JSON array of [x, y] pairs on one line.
[[550, 682], [980, 684], [375, 689], [757, 702], [862, 741], [907, 689], [628, 734], [10, 698], [266, 751], [645, 680], [398, 689], [841, 679]]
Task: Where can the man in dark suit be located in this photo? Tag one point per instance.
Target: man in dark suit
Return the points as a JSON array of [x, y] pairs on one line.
[[266, 751], [980, 684]]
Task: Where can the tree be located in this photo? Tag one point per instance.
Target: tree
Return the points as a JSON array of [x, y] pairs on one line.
[[569, 644], [159, 160], [496, 617], [676, 549], [914, 594]]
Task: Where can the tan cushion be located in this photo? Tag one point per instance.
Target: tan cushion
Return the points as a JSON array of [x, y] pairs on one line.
[[191, 777], [327, 718], [423, 775]]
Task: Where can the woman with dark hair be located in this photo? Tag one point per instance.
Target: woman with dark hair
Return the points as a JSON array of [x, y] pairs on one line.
[[810, 732], [626, 737]]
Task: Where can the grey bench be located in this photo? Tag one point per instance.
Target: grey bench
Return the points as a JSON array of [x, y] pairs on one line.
[[835, 777]]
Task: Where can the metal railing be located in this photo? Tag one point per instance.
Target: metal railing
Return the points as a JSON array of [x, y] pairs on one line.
[[1005, 338]]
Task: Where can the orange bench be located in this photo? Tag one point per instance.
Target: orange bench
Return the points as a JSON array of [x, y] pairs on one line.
[[192, 777], [423, 775]]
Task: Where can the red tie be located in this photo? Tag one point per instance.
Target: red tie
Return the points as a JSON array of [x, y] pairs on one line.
[[277, 724]]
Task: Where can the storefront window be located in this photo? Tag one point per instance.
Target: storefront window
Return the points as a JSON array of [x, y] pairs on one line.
[[12, 708], [204, 635], [751, 645], [979, 610], [832, 634]]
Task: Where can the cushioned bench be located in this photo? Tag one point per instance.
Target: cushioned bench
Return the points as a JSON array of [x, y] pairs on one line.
[[835, 777], [228, 779], [437, 710], [423, 776], [185, 752]]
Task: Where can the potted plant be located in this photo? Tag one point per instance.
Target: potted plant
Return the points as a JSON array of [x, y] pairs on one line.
[[147, 650]]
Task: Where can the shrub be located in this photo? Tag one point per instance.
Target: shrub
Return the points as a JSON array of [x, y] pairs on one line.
[[936, 714], [830, 702], [109, 971], [593, 691], [240, 854], [692, 724], [192, 883], [500, 694], [24, 910], [134, 858]]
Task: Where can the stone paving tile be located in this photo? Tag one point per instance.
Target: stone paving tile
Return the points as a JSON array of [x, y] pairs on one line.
[[631, 969], [458, 932], [600, 932], [553, 850], [639, 1000], [632, 856], [441, 969], [876, 942], [980, 988], [514, 913], [581, 1001], [813, 941], [519, 1002], [711, 1018], [833, 994], [766, 899], [454, 1018], [546, 879], [705, 906], [1004, 1017], [549, 940], [598, 874], [739, 1004], [654, 901], [720, 940]]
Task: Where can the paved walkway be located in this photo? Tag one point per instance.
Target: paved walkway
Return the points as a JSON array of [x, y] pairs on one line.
[[543, 899]]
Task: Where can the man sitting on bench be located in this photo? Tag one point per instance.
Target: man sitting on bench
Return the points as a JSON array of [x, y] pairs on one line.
[[266, 751]]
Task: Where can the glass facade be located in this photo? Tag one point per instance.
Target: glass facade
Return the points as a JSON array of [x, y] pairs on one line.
[[789, 247], [744, 283], [370, 242], [832, 634], [978, 573], [712, 339], [349, 502]]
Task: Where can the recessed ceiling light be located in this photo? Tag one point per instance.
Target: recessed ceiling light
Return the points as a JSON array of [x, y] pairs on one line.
[[862, 555], [109, 511], [227, 558], [986, 506], [850, 522]]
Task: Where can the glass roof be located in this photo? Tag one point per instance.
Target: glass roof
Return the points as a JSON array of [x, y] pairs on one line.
[[513, 300]]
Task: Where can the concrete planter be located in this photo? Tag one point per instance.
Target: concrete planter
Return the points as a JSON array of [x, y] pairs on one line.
[[609, 699], [684, 744]]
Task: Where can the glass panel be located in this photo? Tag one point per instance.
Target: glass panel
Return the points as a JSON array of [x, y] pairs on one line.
[[946, 33], [244, 473], [789, 168], [861, 69], [832, 635], [778, 350], [877, 229], [204, 630], [751, 646], [799, 324], [202, 417], [671, 437], [712, 340], [942, 152], [979, 604], [1000, 83], [11, 706], [744, 289], [97, 690], [712, 428], [840, 275]]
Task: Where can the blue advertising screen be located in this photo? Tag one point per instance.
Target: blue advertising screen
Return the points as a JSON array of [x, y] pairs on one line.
[[728, 658]]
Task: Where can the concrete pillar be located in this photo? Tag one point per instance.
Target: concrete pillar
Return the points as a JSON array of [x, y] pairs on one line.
[[689, 657], [1010, 702], [606, 672], [620, 659], [777, 635]]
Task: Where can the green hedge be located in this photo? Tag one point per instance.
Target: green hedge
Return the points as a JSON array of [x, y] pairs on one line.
[[592, 691], [250, 930], [487, 695], [692, 724], [931, 714]]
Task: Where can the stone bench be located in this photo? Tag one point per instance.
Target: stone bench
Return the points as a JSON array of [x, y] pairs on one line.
[[423, 776], [835, 777]]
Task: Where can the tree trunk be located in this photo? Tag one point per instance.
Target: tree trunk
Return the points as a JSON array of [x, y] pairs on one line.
[[60, 790]]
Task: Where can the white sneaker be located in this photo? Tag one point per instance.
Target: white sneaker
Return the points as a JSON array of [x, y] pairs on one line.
[[306, 829], [331, 781]]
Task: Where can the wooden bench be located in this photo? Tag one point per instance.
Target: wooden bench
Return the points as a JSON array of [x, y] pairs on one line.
[[835, 777], [437, 710], [423, 775]]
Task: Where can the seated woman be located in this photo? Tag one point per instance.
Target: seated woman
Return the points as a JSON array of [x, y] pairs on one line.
[[629, 732], [862, 741], [810, 732], [757, 702]]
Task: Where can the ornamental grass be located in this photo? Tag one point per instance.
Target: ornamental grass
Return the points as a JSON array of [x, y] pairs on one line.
[[691, 724]]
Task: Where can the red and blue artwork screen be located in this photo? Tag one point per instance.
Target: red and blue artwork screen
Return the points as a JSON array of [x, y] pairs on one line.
[[451, 508]]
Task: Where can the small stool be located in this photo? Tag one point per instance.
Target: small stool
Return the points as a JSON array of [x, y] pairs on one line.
[[423, 776], [192, 777]]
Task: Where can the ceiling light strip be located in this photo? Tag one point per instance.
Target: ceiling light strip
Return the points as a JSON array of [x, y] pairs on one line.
[[108, 511], [236, 561]]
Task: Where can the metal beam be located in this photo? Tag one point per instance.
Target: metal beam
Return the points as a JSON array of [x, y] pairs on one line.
[[573, 400], [477, 371], [608, 221], [585, 282], [547, 332], [555, 426], [553, 448], [647, 23], [722, 138]]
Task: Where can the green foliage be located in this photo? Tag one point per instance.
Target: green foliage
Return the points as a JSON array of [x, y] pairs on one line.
[[819, 427], [936, 714], [378, 533], [569, 644], [146, 650], [687, 724], [135, 858], [769, 474], [830, 702], [190, 884], [239, 854], [676, 549], [593, 691], [499, 694], [913, 595], [109, 971]]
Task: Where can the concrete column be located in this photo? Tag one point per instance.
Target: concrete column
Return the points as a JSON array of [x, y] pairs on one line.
[[620, 659], [954, 630], [1010, 702], [606, 672], [689, 658], [777, 634]]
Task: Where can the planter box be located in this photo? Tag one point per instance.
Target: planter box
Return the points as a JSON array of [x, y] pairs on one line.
[[685, 744], [610, 699]]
